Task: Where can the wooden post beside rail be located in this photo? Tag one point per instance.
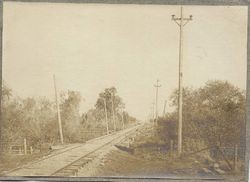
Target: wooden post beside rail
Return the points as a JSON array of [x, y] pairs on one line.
[[235, 157], [171, 148], [31, 150], [25, 146]]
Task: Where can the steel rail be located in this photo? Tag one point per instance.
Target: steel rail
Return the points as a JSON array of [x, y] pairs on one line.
[[73, 167]]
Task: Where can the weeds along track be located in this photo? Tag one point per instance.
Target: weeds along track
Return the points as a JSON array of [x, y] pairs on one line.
[[68, 161], [63, 150]]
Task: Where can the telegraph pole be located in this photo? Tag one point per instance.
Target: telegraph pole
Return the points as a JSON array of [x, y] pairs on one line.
[[123, 126], [113, 111], [58, 112], [153, 110], [164, 110], [156, 99], [181, 22], [106, 115]]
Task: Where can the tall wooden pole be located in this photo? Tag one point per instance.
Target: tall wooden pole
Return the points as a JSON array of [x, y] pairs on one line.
[[113, 111], [156, 99], [164, 109], [153, 110], [181, 22], [180, 87], [106, 115], [123, 125], [58, 112]]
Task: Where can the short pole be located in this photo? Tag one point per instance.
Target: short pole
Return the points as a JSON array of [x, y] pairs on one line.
[[31, 150], [171, 147], [25, 146], [235, 157]]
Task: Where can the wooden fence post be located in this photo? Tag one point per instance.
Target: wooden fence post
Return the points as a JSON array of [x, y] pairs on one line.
[[224, 157], [171, 147], [235, 157], [25, 146], [31, 150]]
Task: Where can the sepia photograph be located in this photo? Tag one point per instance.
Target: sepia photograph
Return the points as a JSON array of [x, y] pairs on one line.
[[123, 91]]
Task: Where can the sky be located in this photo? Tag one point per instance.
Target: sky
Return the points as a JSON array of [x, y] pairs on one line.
[[90, 47]]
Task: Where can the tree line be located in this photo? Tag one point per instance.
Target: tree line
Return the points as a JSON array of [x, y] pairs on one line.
[[213, 115], [36, 118]]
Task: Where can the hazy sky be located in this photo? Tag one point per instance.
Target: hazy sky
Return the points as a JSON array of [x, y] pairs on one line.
[[93, 46]]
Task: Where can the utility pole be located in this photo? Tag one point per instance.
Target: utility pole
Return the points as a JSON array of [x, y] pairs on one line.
[[123, 126], [153, 110], [113, 110], [156, 99], [164, 110], [106, 115], [181, 22], [58, 112]]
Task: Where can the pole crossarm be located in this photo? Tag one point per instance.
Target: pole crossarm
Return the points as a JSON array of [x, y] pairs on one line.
[[157, 84], [184, 20]]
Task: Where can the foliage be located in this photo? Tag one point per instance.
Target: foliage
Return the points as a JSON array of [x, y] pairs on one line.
[[36, 118], [212, 115], [70, 115], [27, 118], [115, 111]]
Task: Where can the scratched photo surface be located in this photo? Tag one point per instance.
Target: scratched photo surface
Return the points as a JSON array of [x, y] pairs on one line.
[[123, 90]]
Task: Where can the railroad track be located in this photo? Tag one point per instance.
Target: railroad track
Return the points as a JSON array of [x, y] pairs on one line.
[[73, 168], [70, 161]]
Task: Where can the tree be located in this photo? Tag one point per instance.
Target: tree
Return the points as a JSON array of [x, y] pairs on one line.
[[213, 115], [95, 118], [113, 104], [223, 111], [70, 105], [47, 118], [109, 95]]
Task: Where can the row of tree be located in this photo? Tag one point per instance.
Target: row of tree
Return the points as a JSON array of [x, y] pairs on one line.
[[110, 104], [36, 118], [213, 115]]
